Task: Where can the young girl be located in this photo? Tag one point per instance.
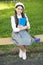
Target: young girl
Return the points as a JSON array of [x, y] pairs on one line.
[[20, 36]]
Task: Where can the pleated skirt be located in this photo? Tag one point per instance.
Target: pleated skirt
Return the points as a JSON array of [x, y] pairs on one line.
[[22, 38]]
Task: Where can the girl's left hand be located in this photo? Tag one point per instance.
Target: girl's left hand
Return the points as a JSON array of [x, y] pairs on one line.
[[23, 27]]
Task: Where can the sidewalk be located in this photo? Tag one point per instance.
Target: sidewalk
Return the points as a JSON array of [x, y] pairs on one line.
[[32, 59]]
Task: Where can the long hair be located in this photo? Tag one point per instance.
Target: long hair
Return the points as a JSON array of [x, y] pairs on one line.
[[16, 19]]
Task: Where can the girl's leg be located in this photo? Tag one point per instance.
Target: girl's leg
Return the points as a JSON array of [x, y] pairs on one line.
[[22, 47], [22, 53]]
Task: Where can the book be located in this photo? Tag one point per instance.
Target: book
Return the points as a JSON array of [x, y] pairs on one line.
[[22, 21]]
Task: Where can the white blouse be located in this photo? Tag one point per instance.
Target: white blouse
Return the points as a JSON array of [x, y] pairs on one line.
[[13, 24]]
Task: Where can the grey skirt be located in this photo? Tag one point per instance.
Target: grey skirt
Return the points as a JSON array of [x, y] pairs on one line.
[[22, 38]]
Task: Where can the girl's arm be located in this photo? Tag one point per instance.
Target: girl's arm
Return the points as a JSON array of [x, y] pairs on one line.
[[28, 24], [15, 29]]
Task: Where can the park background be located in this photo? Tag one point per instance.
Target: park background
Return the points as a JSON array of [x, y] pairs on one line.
[[34, 11]]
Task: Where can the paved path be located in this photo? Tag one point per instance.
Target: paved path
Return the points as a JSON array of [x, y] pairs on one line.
[[32, 59]]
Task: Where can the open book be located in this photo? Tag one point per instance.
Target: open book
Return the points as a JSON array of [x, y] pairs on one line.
[[22, 21]]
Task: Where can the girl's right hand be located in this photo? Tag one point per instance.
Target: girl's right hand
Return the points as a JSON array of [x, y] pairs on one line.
[[22, 27], [19, 26]]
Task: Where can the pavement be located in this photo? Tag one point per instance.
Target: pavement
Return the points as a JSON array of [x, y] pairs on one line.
[[13, 59]]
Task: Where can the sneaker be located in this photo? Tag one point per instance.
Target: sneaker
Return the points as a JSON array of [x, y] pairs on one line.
[[20, 53], [37, 40], [24, 55]]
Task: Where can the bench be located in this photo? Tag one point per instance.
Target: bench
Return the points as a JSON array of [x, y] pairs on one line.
[[7, 41]]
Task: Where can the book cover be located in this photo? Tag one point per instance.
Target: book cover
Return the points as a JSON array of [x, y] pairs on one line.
[[22, 21]]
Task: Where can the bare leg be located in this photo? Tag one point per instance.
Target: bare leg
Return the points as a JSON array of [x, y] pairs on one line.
[[22, 47], [25, 46]]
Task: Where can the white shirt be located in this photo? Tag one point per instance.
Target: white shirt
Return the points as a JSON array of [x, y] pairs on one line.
[[13, 24]]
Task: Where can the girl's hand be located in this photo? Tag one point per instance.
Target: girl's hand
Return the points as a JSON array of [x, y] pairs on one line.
[[20, 26], [23, 27]]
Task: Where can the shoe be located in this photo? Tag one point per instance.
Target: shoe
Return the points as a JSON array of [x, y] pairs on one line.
[[24, 55], [37, 40], [20, 53]]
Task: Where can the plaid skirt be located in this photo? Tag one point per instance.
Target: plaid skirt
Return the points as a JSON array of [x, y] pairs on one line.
[[22, 38]]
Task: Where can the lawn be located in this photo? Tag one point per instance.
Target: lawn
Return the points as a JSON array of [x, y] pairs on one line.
[[34, 11]]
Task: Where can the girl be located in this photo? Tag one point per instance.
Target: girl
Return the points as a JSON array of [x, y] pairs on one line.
[[20, 36]]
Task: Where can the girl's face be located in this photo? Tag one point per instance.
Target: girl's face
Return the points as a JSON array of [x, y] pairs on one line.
[[19, 10]]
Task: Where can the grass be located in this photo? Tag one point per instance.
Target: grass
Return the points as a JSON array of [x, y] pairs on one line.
[[38, 46], [5, 24], [34, 11], [35, 15], [6, 47]]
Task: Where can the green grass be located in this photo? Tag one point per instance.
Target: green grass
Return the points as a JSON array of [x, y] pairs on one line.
[[34, 11], [38, 46], [6, 47], [35, 15]]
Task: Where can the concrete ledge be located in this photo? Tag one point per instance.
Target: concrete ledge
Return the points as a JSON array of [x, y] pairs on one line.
[[6, 41], [40, 36]]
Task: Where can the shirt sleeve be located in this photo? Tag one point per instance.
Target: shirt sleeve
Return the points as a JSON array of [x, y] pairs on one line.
[[13, 24], [28, 24]]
